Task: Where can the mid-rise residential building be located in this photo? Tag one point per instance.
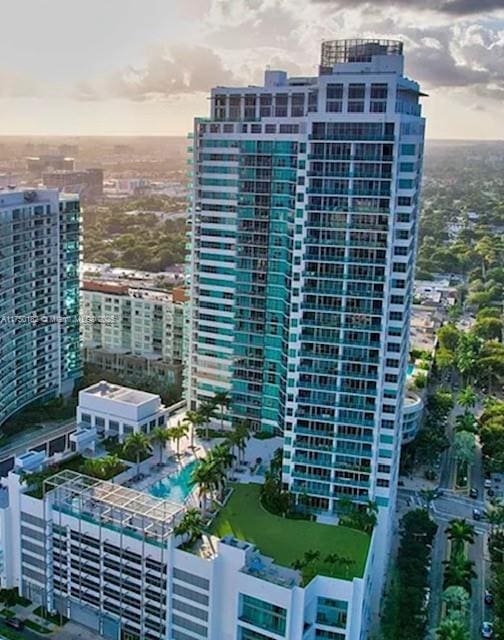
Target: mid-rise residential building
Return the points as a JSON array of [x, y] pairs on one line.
[[116, 411], [88, 183], [39, 297], [132, 330], [304, 225]]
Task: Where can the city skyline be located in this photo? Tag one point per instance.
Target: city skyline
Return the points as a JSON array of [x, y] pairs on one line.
[[147, 72]]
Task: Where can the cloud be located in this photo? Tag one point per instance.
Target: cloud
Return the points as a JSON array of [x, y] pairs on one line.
[[16, 85], [167, 74], [449, 7]]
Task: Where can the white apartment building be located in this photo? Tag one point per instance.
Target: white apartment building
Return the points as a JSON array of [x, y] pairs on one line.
[[106, 557], [116, 411], [39, 297]]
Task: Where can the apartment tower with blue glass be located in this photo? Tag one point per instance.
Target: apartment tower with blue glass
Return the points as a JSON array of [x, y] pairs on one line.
[[303, 236], [39, 297]]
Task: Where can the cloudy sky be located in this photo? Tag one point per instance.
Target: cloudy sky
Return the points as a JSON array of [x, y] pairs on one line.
[[144, 67]]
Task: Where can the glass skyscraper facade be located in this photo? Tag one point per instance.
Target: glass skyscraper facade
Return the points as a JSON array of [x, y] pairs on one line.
[[39, 297], [303, 236]]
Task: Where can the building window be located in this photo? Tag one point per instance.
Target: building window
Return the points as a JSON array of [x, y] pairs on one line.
[[332, 613], [297, 105], [379, 94], [265, 102], [281, 102], [356, 95], [264, 615], [334, 98], [85, 417]]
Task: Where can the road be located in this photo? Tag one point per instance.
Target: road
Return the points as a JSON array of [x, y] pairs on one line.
[[450, 505]]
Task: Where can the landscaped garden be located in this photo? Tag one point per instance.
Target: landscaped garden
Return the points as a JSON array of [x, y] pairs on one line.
[[288, 541]]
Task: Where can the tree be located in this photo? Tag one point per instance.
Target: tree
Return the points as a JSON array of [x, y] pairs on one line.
[[194, 419], [340, 561], [160, 436], [452, 629], [467, 398], [222, 456], [491, 364], [361, 518], [207, 411], [464, 446], [489, 328], [203, 476], [221, 400], [137, 446], [178, 432], [191, 525], [448, 336], [459, 571], [466, 355], [459, 532], [457, 601], [466, 422]]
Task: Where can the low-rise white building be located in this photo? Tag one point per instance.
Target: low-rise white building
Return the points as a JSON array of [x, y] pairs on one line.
[[117, 411], [107, 557]]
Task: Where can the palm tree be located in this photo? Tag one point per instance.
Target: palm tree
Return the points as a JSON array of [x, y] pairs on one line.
[[242, 437], [190, 525], [219, 460], [136, 445], [203, 475], [207, 411], [178, 432], [340, 561], [467, 398], [194, 419], [459, 572], [460, 531], [160, 436], [234, 439], [221, 400], [223, 455]]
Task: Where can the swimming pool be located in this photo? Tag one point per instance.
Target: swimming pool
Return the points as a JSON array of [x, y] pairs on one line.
[[411, 368], [175, 487]]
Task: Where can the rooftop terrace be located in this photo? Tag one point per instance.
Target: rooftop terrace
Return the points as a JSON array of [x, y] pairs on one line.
[[113, 505], [287, 540]]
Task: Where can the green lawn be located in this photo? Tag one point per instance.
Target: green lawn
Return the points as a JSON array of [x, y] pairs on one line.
[[287, 540]]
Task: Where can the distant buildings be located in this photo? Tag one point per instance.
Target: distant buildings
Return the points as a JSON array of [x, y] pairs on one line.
[[38, 164], [88, 183], [304, 224], [133, 331], [126, 186], [39, 297]]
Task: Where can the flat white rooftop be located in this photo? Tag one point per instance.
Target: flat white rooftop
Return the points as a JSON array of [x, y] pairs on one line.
[[104, 389]]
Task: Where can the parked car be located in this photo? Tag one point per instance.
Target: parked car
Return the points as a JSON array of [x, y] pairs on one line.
[[473, 492], [15, 623], [491, 493], [487, 630], [489, 599], [488, 484], [477, 515]]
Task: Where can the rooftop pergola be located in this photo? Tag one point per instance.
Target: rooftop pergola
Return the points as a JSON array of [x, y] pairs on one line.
[[108, 504]]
